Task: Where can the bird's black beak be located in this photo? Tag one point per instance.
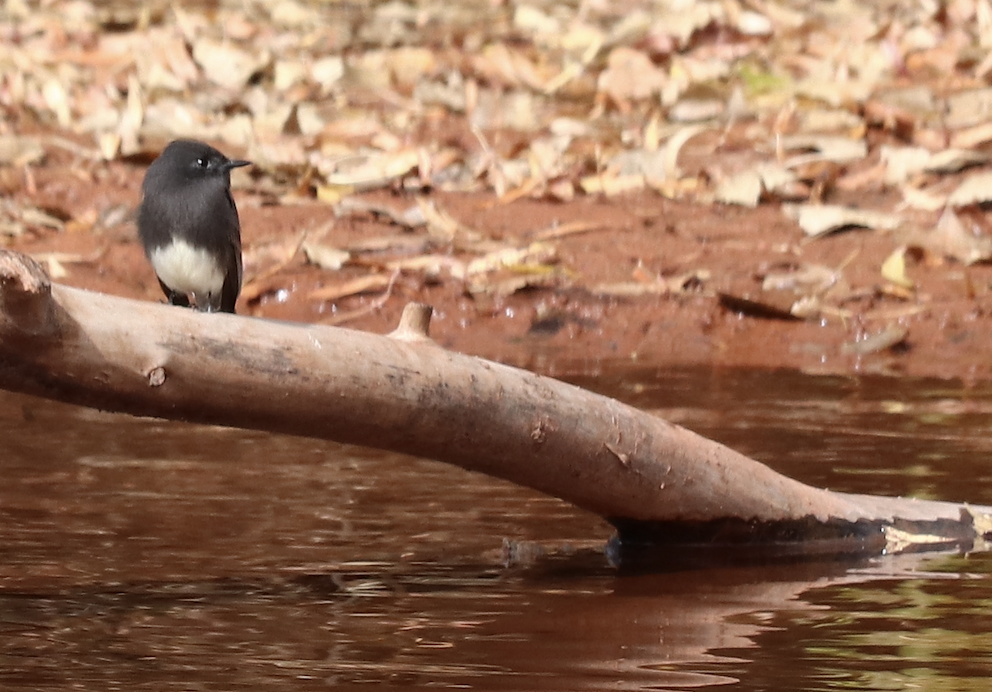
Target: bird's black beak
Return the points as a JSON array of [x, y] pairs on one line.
[[236, 164]]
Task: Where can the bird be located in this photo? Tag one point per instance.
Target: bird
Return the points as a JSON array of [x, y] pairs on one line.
[[188, 225]]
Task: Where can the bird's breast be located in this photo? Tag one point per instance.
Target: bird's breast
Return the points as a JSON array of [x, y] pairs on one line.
[[188, 269]]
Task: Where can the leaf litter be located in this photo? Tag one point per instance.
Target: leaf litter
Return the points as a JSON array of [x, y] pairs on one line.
[[533, 99]]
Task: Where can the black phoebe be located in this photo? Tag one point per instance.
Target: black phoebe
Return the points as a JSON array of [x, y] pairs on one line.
[[188, 225]]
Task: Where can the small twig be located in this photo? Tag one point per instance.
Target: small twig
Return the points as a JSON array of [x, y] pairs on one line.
[[343, 317]]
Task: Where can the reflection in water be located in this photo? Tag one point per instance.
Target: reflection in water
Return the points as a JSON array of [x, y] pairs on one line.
[[142, 555]]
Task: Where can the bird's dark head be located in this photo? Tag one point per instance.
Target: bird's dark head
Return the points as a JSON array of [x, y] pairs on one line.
[[186, 160]]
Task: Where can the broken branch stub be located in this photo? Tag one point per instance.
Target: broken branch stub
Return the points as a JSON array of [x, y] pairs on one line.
[[653, 480]]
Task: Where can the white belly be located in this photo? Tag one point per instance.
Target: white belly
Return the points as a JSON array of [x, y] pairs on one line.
[[186, 269]]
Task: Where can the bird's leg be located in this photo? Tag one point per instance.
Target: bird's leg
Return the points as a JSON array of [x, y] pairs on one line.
[[207, 303], [179, 299], [174, 297]]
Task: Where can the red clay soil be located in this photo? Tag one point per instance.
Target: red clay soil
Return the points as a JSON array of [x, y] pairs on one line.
[[568, 329]]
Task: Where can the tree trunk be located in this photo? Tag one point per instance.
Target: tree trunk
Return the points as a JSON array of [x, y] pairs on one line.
[[656, 482]]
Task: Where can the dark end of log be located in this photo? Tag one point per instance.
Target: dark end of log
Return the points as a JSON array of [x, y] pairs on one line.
[[414, 323], [26, 306], [734, 539]]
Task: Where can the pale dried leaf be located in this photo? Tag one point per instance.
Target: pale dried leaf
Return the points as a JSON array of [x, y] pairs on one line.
[[32, 216], [509, 285], [430, 265], [561, 190], [288, 73], [954, 160], [530, 19], [975, 189], [776, 179], [57, 99], [639, 162], [892, 335], [751, 23], [806, 278], [674, 146], [325, 256], [824, 148], [131, 119], [441, 225], [807, 307], [309, 119], [827, 89], [894, 269], [17, 150], [515, 110], [511, 67], [509, 258], [630, 74], [409, 64], [55, 262], [743, 189], [413, 216], [611, 185], [369, 171], [817, 220], [925, 200], [293, 14], [829, 120], [678, 283], [903, 162], [967, 108], [693, 110], [450, 92], [225, 64], [951, 239], [971, 137], [629, 289], [327, 71]]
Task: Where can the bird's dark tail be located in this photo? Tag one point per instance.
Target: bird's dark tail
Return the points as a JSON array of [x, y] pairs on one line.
[[229, 293]]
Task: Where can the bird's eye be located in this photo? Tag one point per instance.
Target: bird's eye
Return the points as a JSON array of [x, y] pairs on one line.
[[202, 162]]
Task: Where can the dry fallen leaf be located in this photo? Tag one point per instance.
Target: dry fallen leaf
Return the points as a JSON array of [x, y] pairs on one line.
[[17, 150], [226, 64], [903, 162], [951, 239], [411, 217], [891, 336], [954, 160], [325, 256], [368, 171], [678, 283], [630, 74], [975, 189], [926, 200], [611, 185], [894, 269], [538, 253], [806, 278], [817, 220], [824, 148], [743, 189]]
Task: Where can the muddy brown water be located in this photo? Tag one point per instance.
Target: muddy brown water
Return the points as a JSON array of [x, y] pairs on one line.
[[142, 555]]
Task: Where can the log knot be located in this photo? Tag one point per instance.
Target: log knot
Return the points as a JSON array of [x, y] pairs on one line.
[[156, 377], [414, 323]]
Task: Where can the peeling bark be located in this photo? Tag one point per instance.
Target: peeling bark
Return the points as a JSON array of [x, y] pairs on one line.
[[657, 482]]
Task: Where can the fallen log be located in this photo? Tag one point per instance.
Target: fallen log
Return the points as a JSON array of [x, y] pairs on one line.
[[656, 482]]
